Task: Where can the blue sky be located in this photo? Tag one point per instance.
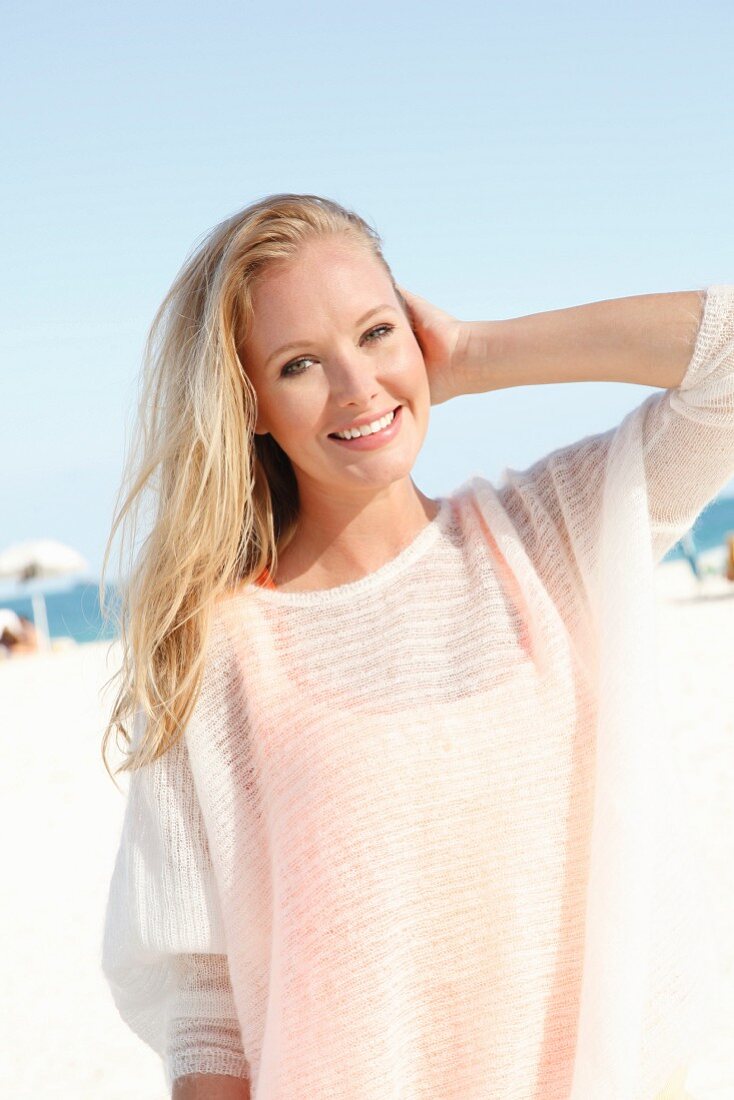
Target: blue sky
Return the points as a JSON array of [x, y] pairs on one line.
[[514, 158]]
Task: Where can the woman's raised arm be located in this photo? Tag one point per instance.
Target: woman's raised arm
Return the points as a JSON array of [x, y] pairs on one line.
[[682, 342], [646, 339]]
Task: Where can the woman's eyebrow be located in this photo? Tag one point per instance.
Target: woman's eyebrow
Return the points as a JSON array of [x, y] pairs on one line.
[[299, 343]]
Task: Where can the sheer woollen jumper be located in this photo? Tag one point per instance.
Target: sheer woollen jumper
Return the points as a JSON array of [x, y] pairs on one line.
[[422, 835]]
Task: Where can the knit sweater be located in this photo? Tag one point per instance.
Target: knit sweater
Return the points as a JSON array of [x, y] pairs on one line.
[[422, 835]]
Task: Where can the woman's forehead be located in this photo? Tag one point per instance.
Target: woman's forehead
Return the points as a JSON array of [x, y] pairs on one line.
[[329, 262], [326, 286]]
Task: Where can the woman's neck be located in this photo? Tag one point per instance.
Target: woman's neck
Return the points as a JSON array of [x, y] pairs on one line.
[[355, 550]]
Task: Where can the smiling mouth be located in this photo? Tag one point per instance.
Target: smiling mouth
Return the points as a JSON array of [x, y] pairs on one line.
[[333, 435]]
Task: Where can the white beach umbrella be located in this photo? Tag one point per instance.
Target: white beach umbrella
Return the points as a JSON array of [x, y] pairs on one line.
[[40, 558]]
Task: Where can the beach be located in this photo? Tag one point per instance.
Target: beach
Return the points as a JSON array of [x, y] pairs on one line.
[[62, 817]]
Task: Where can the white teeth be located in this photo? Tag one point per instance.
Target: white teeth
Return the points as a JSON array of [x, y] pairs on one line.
[[367, 429]]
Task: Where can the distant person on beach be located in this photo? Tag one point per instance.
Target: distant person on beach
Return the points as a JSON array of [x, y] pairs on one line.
[[17, 634], [730, 557], [11, 629]]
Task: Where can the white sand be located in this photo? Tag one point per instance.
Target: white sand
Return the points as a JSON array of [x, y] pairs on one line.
[[62, 1035], [695, 647]]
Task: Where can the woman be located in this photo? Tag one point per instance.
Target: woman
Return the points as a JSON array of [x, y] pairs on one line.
[[401, 815], [17, 634]]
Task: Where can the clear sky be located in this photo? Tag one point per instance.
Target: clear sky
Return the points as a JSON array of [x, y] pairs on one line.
[[514, 158]]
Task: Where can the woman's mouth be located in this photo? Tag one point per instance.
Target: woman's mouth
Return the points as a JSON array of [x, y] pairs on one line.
[[373, 440]]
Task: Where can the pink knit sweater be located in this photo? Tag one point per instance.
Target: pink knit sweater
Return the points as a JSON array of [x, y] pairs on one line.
[[422, 838]]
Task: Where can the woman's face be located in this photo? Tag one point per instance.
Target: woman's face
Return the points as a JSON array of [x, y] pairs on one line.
[[353, 355]]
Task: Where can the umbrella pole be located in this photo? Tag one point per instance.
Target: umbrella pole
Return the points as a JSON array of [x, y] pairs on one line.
[[40, 620]]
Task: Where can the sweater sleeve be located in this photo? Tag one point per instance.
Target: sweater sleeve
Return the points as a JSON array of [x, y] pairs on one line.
[[688, 431], [687, 437], [163, 954]]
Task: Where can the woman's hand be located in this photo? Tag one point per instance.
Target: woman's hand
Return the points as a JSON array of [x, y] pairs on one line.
[[440, 337]]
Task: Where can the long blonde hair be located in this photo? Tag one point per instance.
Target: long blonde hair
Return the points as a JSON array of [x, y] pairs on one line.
[[224, 500]]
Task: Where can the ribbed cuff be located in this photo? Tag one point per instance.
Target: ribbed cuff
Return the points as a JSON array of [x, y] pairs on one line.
[[207, 1061]]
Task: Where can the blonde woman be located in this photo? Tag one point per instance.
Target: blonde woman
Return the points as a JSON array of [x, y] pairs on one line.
[[402, 819]]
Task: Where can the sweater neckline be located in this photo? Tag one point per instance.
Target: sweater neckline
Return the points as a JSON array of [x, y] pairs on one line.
[[377, 579]]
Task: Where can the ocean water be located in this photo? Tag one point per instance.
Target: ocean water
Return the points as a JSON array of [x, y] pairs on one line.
[[73, 611], [711, 528]]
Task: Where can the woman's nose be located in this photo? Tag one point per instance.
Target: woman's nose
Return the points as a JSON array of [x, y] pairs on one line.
[[353, 380]]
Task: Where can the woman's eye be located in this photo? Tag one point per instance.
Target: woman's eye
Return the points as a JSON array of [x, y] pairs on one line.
[[377, 333], [288, 373], [386, 328]]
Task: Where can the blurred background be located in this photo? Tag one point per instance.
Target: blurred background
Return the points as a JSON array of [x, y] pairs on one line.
[[514, 159]]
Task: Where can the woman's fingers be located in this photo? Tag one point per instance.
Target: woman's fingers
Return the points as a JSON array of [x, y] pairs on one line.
[[437, 333]]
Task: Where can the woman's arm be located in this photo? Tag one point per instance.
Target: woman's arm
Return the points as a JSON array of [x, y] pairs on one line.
[[681, 342], [210, 1086], [164, 952], [646, 339], [685, 431]]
